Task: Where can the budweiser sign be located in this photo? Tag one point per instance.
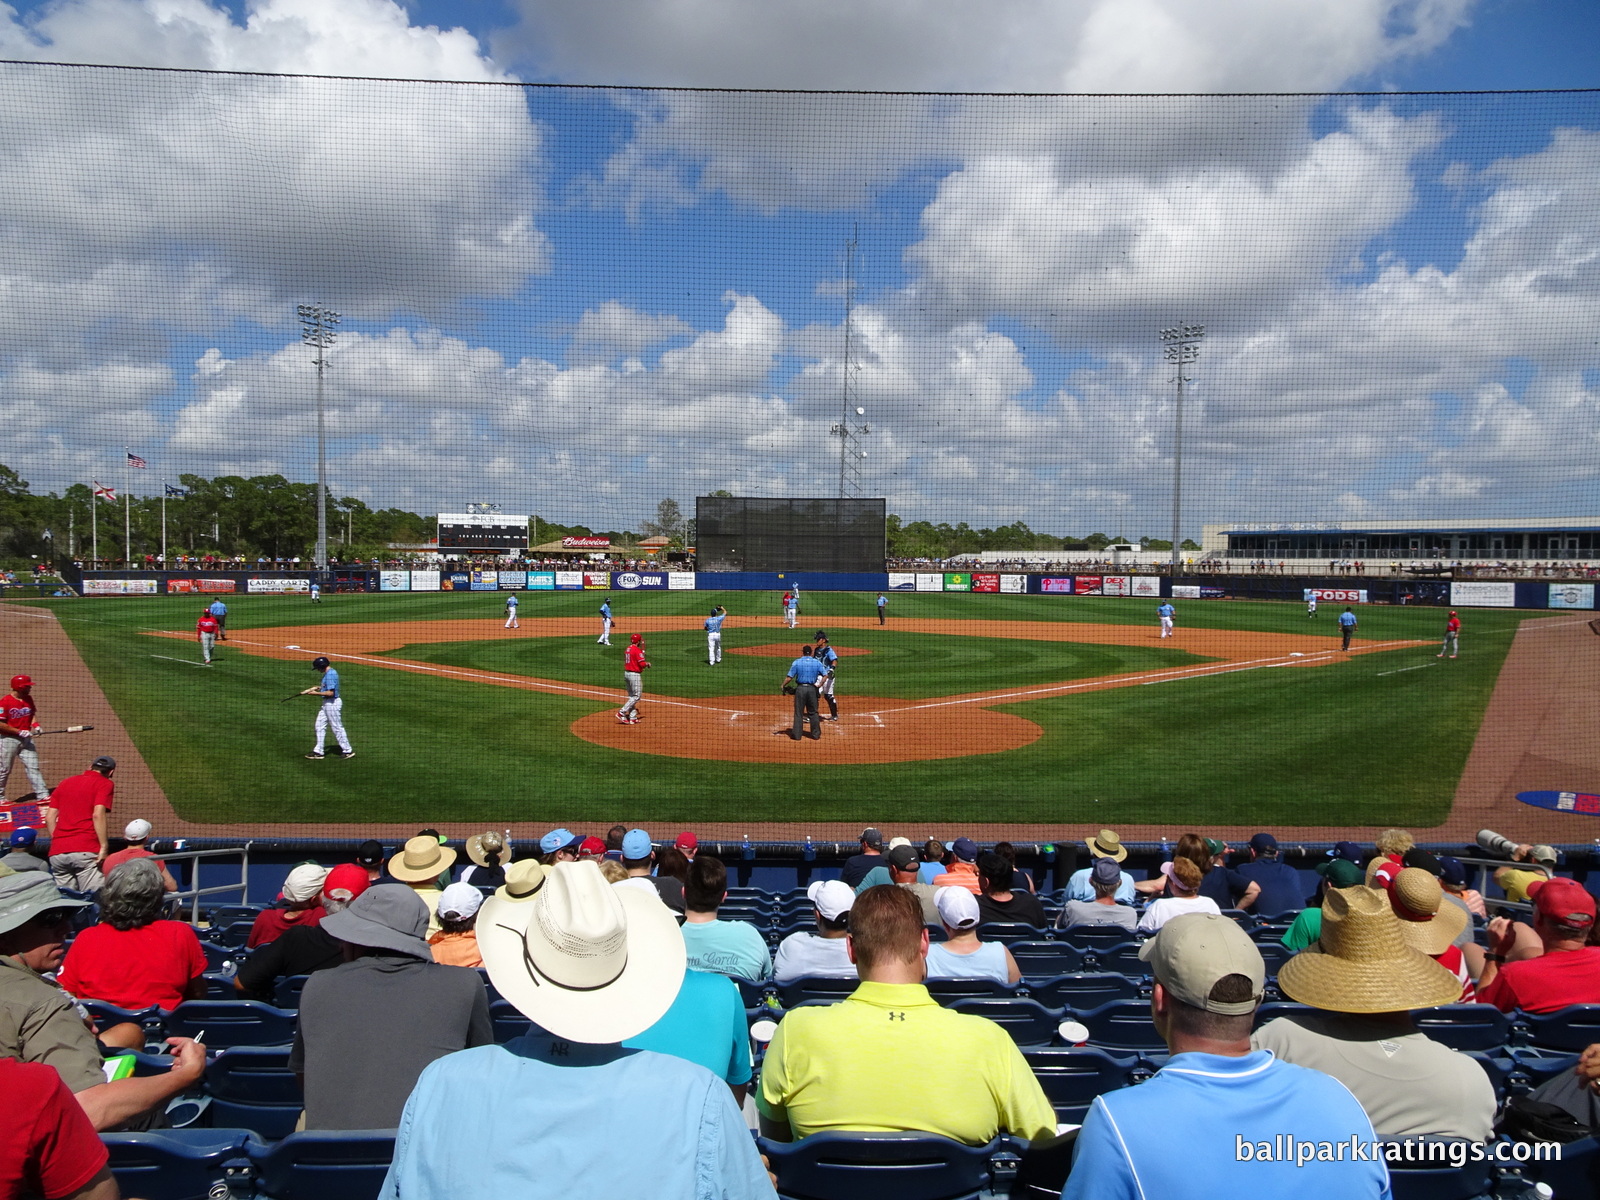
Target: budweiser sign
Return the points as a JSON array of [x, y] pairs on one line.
[[586, 543]]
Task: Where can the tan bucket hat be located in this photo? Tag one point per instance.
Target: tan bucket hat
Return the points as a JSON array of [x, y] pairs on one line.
[[524, 878], [423, 858], [481, 845], [1362, 963], [1426, 922], [1106, 844]]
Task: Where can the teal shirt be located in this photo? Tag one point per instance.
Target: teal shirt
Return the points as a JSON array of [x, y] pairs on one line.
[[705, 1025]]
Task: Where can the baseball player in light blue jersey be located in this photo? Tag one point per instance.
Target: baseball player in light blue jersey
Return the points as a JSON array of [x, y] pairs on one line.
[[605, 624], [219, 610], [825, 654], [330, 715], [1166, 612], [511, 612], [714, 634]]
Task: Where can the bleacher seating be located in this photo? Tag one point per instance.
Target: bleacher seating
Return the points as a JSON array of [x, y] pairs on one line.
[[1045, 959], [1122, 1026], [1570, 1029], [1082, 992], [252, 1087], [323, 1164], [232, 936], [228, 1023], [287, 992], [1008, 932], [873, 1166], [1072, 1076], [177, 1164], [1465, 1026], [1027, 1021]]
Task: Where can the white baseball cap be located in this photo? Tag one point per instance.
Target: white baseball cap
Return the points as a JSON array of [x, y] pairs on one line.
[[137, 829], [832, 897], [958, 908]]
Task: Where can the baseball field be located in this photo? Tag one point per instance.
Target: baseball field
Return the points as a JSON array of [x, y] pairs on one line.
[[963, 707]]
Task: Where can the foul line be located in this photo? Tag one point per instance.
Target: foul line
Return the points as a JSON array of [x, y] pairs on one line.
[[1397, 670], [188, 661]]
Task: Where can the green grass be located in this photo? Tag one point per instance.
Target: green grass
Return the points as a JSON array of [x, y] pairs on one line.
[[1363, 741]]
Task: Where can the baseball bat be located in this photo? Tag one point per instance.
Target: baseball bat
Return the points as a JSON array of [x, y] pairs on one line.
[[68, 729], [291, 696]]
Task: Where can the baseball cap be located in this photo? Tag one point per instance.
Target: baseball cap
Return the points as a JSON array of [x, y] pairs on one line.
[[1563, 900], [24, 837], [1420, 858], [1215, 846], [137, 829], [687, 841], [19, 682], [304, 883], [558, 839], [636, 844], [634, 639], [1349, 851], [370, 853], [1453, 871], [1340, 872], [1543, 854], [104, 763], [965, 849], [832, 897], [871, 837], [1105, 872], [1193, 951], [345, 882], [898, 841], [459, 901], [904, 858], [958, 908], [591, 847], [1263, 843]]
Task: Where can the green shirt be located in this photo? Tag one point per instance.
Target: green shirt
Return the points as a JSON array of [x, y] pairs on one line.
[[1306, 928]]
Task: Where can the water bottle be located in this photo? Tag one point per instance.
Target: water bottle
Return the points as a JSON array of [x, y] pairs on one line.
[[229, 968]]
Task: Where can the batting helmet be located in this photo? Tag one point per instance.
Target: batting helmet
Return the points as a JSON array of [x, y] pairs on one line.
[[321, 664], [635, 639], [19, 682]]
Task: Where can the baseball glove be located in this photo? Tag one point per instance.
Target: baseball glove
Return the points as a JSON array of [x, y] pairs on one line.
[[789, 689]]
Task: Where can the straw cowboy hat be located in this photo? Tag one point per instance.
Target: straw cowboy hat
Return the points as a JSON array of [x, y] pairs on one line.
[[1106, 844], [1362, 963], [422, 859], [481, 845], [523, 881], [583, 960], [1426, 922]]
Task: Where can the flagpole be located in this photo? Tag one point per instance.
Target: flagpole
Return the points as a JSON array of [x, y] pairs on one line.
[[127, 510], [94, 523], [163, 522]]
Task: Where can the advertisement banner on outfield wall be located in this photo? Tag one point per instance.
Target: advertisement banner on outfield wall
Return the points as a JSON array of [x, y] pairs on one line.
[[277, 584], [485, 581], [424, 581], [957, 583], [1483, 595], [1336, 595], [1144, 585], [1086, 585], [930, 583], [1572, 595], [630, 581], [119, 587], [594, 581], [986, 583], [394, 581], [201, 585], [1056, 586], [1114, 585], [569, 581], [1185, 591], [680, 581], [1014, 584], [513, 581], [902, 581], [541, 581]]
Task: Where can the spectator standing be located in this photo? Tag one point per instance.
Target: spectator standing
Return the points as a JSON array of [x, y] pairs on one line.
[[137, 834], [962, 871], [961, 955], [823, 954], [75, 822], [1105, 878], [857, 865], [132, 958], [300, 905], [301, 949], [719, 947], [997, 901], [1281, 889], [456, 943], [1105, 844], [1568, 972]]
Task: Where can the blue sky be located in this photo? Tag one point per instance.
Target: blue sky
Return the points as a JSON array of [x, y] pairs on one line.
[[577, 302]]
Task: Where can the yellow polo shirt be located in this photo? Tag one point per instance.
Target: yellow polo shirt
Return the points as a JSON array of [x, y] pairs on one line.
[[840, 1067], [1515, 883]]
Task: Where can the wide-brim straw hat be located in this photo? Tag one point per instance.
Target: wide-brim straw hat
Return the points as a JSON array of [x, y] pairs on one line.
[[422, 858], [1362, 964], [1426, 922], [478, 854], [584, 960], [524, 878], [1106, 844]]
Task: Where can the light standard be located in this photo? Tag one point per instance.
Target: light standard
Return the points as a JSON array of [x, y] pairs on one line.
[[318, 333], [1181, 344]]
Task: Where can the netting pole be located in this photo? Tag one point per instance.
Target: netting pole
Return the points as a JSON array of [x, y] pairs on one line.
[[1181, 344], [317, 332]]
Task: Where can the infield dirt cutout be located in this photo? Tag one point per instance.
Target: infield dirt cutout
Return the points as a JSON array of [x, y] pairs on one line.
[[755, 728]]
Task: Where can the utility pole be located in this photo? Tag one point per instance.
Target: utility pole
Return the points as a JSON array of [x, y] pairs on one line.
[[317, 332], [1181, 344]]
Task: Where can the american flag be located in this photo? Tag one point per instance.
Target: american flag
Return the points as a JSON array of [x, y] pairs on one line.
[[102, 492], [135, 461]]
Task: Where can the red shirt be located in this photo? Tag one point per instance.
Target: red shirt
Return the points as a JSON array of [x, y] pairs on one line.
[[74, 800], [113, 861], [47, 1145], [206, 624], [1547, 983], [274, 923], [1453, 625], [134, 968], [633, 660], [17, 712]]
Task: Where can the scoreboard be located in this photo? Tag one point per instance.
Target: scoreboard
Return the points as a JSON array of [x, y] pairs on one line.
[[488, 531]]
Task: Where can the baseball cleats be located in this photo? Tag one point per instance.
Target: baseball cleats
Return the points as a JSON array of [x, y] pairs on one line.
[[348, 754], [623, 717], [316, 755]]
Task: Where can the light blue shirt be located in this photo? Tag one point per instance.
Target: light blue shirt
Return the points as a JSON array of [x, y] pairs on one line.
[[806, 670], [1079, 887], [218, 609], [605, 608], [727, 948], [882, 600], [330, 683], [705, 1025], [1166, 610], [1347, 618], [812, 956], [511, 601], [827, 656], [498, 1121], [987, 962], [1216, 1105], [714, 624]]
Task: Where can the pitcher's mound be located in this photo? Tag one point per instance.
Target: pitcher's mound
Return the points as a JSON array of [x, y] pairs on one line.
[[755, 729]]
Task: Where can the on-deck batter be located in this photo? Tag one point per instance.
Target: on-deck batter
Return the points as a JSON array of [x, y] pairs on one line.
[[330, 714], [19, 719]]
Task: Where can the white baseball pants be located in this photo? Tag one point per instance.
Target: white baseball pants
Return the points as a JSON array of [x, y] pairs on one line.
[[331, 716], [10, 750], [714, 647]]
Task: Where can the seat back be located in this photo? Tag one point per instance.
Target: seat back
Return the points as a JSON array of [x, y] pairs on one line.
[[872, 1166], [1072, 1076], [252, 1087], [1094, 936], [1465, 1026], [287, 993], [228, 1023], [1082, 992], [1569, 1029], [1123, 1025], [1008, 932], [1027, 1021], [1576, 1176], [324, 1164], [508, 1021], [947, 991], [1045, 960], [176, 1164], [233, 936], [798, 991]]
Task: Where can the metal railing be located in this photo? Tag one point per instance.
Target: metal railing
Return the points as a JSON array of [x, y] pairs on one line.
[[192, 894]]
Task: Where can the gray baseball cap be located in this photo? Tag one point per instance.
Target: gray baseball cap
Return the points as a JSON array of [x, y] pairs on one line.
[[25, 895], [1193, 951], [384, 918]]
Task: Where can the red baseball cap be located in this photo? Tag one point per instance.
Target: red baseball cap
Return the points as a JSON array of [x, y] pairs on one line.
[[345, 882], [1563, 900], [635, 638], [687, 841], [591, 847], [21, 682]]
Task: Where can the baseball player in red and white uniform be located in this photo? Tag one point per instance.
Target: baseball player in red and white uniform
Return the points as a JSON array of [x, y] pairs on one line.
[[1452, 638], [633, 668], [206, 629], [19, 721]]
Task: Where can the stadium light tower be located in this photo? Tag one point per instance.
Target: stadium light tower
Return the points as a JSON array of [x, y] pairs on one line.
[[849, 427], [1181, 344], [316, 331]]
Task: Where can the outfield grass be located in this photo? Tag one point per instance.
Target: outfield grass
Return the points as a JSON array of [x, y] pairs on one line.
[[1363, 741]]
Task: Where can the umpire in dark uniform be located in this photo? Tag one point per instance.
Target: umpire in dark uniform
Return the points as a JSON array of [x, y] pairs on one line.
[[804, 673]]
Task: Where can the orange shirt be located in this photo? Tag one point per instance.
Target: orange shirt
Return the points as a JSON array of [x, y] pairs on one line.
[[961, 874], [456, 949]]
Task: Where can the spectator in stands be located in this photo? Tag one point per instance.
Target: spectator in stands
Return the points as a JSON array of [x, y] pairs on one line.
[[456, 943], [1392, 845], [39, 1023], [137, 835], [1186, 898], [823, 954], [1281, 889], [1105, 877], [369, 1026], [524, 878], [1190, 1123], [614, 837], [904, 868], [1009, 852], [591, 849], [600, 965], [997, 901], [1191, 846], [1568, 972], [857, 865], [1456, 891], [1307, 925], [672, 864], [133, 958], [962, 870], [827, 1067], [639, 860], [1224, 884], [75, 822], [687, 844], [301, 949], [49, 1149], [1514, 882], [369, 857], [1365, 975], [420, 865], [612, 870], [1105, 844], [1430, 925], [707, 1025], [487, 852], [300, 904], [934, 855], [720, 947], [961, 955], [559, 845], [21, 856]]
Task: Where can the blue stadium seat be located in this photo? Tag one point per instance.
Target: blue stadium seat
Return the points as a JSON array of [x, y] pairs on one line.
[[1530, 1068], [1569, 1029], [1093, 937], [798, 991], [219, 986], [1072, 1076], [287, 993], [252, 1087], [1576, 1176], [1027, 1021], [1122, 957], [1082, 992], [324, 1164], [508, 1021], [177, 1164], [229, 1023], [1008, 932], [880, 1166], [1437, 1179], [1465, 1026], [224, 915], [1282, 1008], [1123, 1025], [106, 1015], [947, 991], [232, 936], [217, 954], [1045, 960], [759, 917], [1274, 954], [753, 993]]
